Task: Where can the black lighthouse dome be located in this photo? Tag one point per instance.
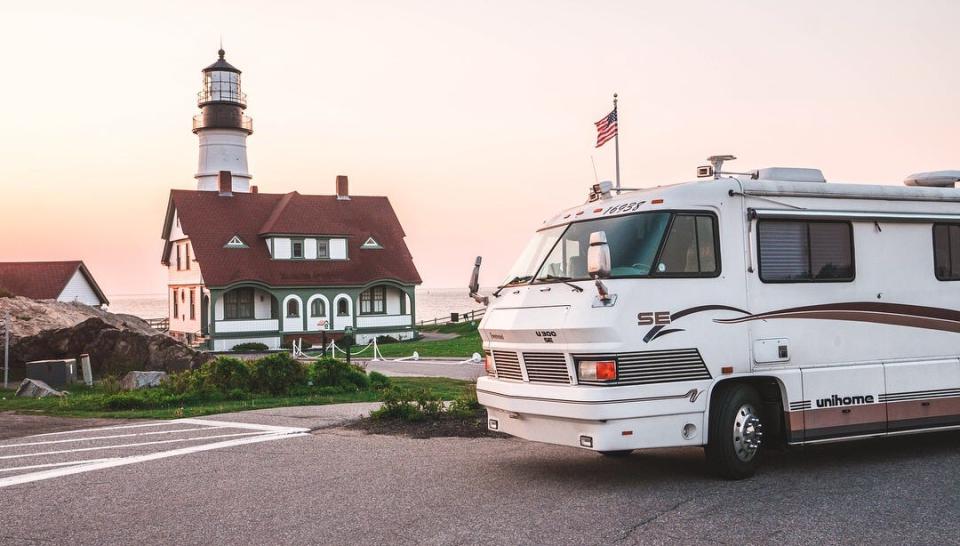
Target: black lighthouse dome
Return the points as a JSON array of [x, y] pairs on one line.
[[222, 100]]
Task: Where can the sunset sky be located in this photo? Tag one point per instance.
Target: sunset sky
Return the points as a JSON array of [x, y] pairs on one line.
[[475, 118]]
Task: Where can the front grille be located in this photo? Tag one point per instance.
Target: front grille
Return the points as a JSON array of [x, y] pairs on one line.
[[648, 367], [546, 368], [508, 365]]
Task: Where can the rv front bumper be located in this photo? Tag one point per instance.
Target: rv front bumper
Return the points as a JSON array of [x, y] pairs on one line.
[[597, 418]]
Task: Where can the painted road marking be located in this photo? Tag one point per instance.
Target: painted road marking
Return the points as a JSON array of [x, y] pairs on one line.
[[121, 446], [49, 465], [91, 438], [102, 429], [258, 433], [77, 469]]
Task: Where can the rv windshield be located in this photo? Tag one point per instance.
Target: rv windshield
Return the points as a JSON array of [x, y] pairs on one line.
[[560, 253]]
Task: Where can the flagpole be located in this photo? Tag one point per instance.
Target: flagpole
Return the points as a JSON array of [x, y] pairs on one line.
[[616, 141]]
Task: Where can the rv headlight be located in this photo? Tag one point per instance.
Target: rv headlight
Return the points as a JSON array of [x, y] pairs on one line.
[[598, 370]]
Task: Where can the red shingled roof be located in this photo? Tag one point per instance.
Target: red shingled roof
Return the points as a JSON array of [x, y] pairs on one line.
[[211, 220], [43, 280]]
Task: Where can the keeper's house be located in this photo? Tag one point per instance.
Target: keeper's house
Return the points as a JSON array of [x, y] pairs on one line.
[[68, 281], [246, 266]]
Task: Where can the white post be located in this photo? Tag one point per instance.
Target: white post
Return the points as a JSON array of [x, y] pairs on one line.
[[6, 350]]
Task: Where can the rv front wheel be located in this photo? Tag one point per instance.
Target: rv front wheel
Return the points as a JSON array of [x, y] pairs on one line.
[[736, 431]]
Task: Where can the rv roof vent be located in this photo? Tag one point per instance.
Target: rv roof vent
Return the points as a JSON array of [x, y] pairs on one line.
[[934, 179], [790, 174]]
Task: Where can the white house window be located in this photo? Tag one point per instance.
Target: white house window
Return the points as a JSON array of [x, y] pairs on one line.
[[317, 309], [193, 304], [297, 249], [238, 304], [293, 309], [176, 304], [323, 248], [342, 309], [178, 258], [186, 249], [373, 301]]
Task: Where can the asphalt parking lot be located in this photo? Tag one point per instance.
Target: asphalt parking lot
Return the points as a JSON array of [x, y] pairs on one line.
[[336, 486]]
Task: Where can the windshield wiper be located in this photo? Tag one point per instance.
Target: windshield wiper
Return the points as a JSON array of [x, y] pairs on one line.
[[515, 280], [564, 280]]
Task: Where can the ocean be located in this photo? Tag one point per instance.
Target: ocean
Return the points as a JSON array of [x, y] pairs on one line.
[[431, 303]]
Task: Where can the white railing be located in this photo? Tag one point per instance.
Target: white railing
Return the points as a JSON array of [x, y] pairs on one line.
[[379, 321], [262, 325]]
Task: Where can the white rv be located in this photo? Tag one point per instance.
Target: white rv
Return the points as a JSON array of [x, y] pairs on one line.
[[735, 313]]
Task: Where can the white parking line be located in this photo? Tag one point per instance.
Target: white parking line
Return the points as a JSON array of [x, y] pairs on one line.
[[116, 427], [49, 465], [120, 446], [91, 438], [77, 469]]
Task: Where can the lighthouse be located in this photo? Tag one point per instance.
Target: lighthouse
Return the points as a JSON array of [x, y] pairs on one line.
[[222, 128]]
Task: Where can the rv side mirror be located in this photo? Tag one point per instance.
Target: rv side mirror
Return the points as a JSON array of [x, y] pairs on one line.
[[475, 283], [475, 277], [598, 256]]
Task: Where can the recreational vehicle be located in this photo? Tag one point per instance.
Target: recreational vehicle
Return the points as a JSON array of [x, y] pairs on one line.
[[740, 312]]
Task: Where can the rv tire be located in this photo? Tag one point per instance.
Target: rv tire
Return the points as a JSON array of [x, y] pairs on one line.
[[733, 450]]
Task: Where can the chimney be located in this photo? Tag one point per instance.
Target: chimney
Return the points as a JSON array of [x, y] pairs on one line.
[[226, 184], [343, 187], [254, 189]]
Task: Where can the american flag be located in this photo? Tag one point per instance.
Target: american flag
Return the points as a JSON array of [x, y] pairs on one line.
[[606, 128]]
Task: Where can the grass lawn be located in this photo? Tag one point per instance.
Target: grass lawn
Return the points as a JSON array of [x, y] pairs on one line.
[[462, 347], [92, 402]]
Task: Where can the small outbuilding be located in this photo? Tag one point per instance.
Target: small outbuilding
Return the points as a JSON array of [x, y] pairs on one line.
[[68, 281]]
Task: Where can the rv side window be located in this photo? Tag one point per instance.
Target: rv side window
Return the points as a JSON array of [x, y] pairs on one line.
[[805, 251], [690, 249], [946, 251]]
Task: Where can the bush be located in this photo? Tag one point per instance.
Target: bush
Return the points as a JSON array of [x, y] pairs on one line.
[[251, 347], [330, 372], [386, 340], [378, 381], [226, 374], [276, 374], [186, 381], [466, 405], [398, 404]]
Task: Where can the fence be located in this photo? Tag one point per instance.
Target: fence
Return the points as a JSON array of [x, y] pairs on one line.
[[160, 324], [469, 316]]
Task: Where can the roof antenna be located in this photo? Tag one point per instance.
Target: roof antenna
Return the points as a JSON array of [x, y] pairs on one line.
[[596, 178], [221, 51]]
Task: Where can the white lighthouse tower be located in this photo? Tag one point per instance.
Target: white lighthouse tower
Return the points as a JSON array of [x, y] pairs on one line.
[[222, 128]]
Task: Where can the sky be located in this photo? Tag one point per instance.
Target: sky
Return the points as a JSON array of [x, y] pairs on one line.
[[475, 118]]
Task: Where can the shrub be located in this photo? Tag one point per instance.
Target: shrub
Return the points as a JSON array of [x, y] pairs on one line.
[[186, 381], [385, 340], [465, 405], [276, 374], [398, 404], [251, 347], [330, 372], [119, 402], [378, 381], [110, 384], [226, 374]]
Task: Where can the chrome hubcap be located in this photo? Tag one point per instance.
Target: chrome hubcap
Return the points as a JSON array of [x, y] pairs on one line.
[[747, 432]]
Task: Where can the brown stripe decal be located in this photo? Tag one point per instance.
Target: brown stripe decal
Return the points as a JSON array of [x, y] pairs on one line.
[[838, 422], [914, 316]]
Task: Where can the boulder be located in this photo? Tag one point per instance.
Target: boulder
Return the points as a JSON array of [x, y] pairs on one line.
[[139, 380], [117, 344], [34, 388]]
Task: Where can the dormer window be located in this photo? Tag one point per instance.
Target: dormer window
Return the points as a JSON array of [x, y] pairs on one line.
[[235, 242], [323, 249], [296, 249], [370, 243]]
